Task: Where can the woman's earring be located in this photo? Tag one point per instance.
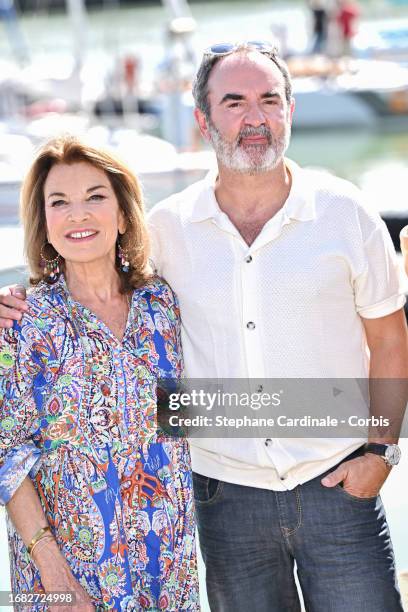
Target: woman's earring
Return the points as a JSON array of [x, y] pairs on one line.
[[50, 266], [124, 258]]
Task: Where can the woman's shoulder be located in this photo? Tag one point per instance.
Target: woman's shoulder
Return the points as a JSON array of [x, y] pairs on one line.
[[40, 318], [46, 313], [157, 289], [43, 299]]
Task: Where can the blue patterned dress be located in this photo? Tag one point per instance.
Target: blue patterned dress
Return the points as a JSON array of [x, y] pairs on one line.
[[77, 413]]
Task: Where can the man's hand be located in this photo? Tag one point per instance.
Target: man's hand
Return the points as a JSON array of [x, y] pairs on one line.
[[56, 576], [362, 477], [12, 304]]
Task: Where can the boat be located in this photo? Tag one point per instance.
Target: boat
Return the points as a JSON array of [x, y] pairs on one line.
[[385, 39], [348, 93]]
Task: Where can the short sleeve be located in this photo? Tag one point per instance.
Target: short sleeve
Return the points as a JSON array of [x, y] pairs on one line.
[[379, 288], [20, 366]]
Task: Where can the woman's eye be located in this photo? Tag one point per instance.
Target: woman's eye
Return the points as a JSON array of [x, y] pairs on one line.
[[96, 197], [58, 203]]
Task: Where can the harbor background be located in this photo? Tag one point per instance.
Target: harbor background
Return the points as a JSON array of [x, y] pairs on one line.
[[376, 160]]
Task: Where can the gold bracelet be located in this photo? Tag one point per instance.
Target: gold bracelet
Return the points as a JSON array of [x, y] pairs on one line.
[[42, 541], [37, 537]]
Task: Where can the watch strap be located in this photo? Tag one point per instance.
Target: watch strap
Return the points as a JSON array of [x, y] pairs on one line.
[[377, 449]]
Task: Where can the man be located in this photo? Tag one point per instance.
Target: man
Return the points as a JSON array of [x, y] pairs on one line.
[[281, 272], [320, 17], [404, 246], [347, 17]]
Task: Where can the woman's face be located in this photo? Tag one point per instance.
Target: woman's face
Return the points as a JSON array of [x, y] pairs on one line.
[[82, 213]]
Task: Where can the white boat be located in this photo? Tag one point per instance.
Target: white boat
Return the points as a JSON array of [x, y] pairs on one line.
[[362, 94], [385, 39], [157, 163]]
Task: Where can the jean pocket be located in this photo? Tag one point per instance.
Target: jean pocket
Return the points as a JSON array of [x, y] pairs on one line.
[[206, 490], [348, 495]]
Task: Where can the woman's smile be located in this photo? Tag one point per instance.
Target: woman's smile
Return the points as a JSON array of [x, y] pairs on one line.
[[83, 235]]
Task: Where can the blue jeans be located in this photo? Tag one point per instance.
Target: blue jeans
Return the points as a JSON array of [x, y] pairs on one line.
[[250, 539]]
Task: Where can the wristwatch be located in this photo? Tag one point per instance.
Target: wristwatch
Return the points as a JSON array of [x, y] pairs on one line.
[[391, 453]]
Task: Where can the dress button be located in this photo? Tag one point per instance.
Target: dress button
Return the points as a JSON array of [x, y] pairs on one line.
[[251, 325], [248, 259]]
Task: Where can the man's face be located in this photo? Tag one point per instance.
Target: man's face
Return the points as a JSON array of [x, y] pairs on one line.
[[250, 121]]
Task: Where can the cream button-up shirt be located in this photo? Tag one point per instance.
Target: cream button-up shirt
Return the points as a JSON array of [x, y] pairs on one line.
[[288, 306]]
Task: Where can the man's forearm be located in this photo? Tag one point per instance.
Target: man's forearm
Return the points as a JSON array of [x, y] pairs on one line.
[[388, 390]]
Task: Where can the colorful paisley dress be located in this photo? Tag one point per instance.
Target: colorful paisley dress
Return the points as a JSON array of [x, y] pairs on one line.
[[77, 413]]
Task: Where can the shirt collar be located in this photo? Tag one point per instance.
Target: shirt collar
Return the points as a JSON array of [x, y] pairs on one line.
[[205, 205], [299, 205]]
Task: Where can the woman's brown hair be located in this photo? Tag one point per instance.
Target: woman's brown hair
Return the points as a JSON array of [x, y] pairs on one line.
[[68, 150]]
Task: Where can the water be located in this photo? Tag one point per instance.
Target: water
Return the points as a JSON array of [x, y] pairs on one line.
[[377, 161]]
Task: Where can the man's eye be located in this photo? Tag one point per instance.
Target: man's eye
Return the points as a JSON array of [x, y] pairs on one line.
[[234, 105]]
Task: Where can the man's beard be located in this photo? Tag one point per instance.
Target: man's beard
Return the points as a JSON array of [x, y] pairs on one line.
[[255, 158]]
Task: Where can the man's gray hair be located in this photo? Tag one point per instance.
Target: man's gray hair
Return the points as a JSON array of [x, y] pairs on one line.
[[200, 85]]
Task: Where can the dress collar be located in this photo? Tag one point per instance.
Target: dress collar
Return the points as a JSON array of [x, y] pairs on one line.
[[155, 287]]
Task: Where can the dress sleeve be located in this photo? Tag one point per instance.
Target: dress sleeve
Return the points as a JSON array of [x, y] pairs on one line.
[[21, 358], [168, 334]]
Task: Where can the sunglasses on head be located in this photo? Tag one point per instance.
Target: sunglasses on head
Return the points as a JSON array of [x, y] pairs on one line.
[[227, 47]]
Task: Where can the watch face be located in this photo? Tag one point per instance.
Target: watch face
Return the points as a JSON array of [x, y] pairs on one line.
[[393, 454]]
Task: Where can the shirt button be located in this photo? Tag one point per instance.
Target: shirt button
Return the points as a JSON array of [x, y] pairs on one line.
[[259, 389], [283, 477], [248, 259], [268, 442], [251, 325]]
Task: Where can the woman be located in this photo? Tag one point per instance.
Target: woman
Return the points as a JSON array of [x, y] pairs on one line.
[[110, 515]]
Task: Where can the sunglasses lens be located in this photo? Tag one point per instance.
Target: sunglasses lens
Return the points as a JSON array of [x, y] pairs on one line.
[[228, 47], [221, 48]]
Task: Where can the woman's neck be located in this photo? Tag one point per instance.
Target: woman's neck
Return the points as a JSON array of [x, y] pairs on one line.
[[92, 282]]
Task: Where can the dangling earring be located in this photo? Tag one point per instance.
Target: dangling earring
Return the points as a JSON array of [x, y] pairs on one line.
[[124, 258], [50, 266]]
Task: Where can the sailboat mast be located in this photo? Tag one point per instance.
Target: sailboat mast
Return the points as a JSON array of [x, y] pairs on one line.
[[77, 12]]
